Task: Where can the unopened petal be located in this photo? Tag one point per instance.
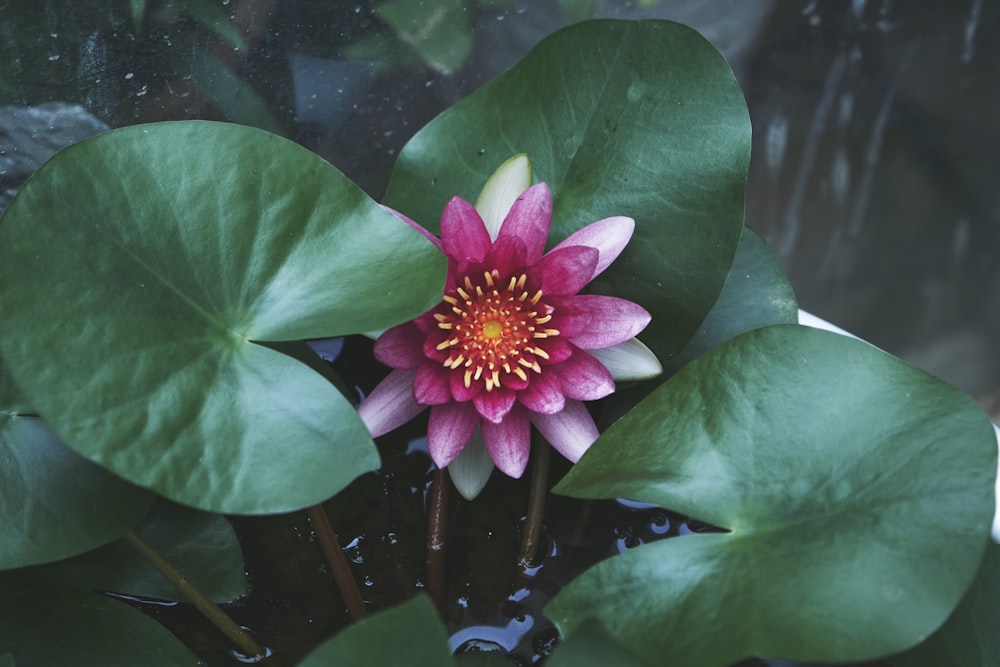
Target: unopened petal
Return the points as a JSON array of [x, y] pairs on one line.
[[529, 220], [400, 347], [449, 429], [509, 442], [501, 190], [609, 236], [473, 467], [571, 432], [612, 321], [630, 360], [584, 378], [391, 403], [463, 233]]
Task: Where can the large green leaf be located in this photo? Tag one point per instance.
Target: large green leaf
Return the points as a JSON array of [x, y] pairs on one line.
[[971, 637], [590, 646], [53, 502], [856, 492], [408, 635], [642, 119], [202, 546], [137, 270], [44, 624]]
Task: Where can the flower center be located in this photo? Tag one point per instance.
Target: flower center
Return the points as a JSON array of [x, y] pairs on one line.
[[495, 329]]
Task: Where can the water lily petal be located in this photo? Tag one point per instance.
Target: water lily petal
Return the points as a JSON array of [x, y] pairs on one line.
[[584, 378], [494, 405], [426, 234], [391, 403], [463, 233], [544, 394], [609, 236], [529, 220], [473, 467], [612, 321], [509, 442], [400, 347], [571, 432], [509, 253], [502, 189], [431, 385], [566, 270], [449, 428], [559, 350], [630, 360]]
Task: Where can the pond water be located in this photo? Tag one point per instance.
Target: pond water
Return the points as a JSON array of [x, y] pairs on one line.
[[876, 158]]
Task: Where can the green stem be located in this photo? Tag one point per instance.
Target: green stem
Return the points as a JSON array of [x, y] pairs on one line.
[[236, 634], [337, 561], [437, 527], [536, 505]]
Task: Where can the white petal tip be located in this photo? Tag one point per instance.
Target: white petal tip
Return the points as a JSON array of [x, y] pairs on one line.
[[502, 189], [472, 468], [630, 360]]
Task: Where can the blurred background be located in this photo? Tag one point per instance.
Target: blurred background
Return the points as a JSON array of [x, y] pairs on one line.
[[876, 164]]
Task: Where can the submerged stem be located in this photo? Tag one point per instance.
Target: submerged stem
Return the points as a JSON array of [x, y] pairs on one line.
[[236, 634], [437, 527], [536, 505], [337, 561]]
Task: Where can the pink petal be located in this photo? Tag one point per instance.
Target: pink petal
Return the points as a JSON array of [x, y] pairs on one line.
[[529, 219], [612, 321], [426, 234], [544, 394], [459, 391], [509, 442], [566, 270], [463, 233], [509, 253], [449, 429], [431, 385], [571, 432], [400, 347], [583, 377], [609, 236], [559, 350], [391, 403], [494, 405]]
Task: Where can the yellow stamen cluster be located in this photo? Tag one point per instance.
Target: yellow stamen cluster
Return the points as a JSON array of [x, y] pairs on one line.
[[494, 328]]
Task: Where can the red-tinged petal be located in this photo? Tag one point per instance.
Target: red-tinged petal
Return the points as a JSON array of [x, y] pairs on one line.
[[449, 429], [544, 394], [609, 236], [612, 321], [583, 377], [509, 442], [461, 393], [430, 344], [391, 403], [509, 253], [400, 347], [567, 270], [571, 432], [426, 234], [494, 405], [558, 349], [529, 219], [426, 322], [430, 385], [463, 233], [567, 317]]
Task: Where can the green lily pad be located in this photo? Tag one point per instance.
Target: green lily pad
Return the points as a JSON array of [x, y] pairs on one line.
[[137, 270], [53, 502], [642, 119], [202, 546], [43, 624], [970, 637], [856, 493], [409, 634], [591, 646]]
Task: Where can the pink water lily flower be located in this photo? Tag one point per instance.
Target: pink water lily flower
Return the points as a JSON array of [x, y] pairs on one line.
[[513, 342]]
